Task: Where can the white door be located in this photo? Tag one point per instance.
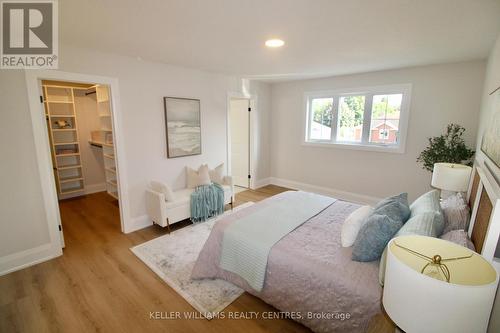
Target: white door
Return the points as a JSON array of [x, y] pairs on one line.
[[239, 123]]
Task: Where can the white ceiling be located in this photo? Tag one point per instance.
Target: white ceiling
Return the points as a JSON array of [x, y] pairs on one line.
[[323, 37]]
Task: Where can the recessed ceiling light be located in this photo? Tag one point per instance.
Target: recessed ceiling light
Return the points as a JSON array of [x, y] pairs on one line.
[[274, 43]]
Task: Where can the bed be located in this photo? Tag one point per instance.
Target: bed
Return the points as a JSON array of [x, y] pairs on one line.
[[303, 277], [311, 278]]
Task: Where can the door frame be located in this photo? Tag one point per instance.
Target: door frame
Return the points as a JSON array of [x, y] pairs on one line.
[[42, 145], [252, 144]]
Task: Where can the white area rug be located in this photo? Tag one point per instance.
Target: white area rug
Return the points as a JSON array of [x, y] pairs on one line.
[[172, 258]]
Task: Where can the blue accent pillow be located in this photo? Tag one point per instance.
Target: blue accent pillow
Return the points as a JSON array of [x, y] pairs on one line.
[[374, 236], [395, 207]]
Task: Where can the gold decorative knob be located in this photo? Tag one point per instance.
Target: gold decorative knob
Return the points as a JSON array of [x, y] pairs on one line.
[[436, 259]]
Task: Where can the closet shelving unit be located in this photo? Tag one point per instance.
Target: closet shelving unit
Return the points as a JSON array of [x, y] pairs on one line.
[[108, 149], [59, 106]]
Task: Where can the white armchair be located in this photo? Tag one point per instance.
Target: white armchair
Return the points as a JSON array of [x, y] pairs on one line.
[[171, 207]]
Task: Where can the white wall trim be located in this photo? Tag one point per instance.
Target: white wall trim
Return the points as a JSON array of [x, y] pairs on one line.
[[94, 188], [253, 138], [30, 257], [138, 223], [43, 155], [144, 221], [339, 194], [262, 182], [89, 189]]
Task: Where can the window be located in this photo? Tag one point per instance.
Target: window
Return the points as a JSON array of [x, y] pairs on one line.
[[321, 126], [373, 118]]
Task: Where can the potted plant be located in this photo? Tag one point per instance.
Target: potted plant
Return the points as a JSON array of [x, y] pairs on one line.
[[449, 148]]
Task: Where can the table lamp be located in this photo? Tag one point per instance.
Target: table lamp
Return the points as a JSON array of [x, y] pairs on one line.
[[420, 297], [451, 177]]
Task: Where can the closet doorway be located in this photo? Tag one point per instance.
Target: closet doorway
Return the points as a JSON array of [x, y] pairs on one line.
[[239, 135], [79, 123]]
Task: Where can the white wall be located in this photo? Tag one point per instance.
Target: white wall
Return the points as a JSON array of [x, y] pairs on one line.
[[491, 82], [441, 94], [23, 223], [142, 88]]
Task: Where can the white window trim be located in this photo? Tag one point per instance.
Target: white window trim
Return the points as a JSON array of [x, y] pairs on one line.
[[404, 89]]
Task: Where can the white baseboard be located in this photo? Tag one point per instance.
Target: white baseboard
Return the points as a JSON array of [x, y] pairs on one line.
[[339, 194], [94, 188], [144, 221], [89, 189], [261, 182], [19, 260], [139, 223]]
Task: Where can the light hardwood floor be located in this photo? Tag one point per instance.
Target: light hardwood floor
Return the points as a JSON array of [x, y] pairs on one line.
[[99, 285]]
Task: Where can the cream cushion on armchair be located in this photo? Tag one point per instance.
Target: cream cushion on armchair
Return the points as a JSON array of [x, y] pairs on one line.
[[165, 206]]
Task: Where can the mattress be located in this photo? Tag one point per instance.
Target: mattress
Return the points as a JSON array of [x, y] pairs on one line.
[[310, 277]]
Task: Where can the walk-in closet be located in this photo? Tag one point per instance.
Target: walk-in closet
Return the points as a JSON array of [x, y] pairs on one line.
[[80, 130]]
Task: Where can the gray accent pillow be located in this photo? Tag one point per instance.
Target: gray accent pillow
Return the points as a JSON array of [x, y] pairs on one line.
[[395, 207], [423, 224], [374, 236], [459, 237], [426, 220], [456, 213], [429, 202]]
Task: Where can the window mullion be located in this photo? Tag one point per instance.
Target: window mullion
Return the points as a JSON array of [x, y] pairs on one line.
[[335, 117], [367, 119]]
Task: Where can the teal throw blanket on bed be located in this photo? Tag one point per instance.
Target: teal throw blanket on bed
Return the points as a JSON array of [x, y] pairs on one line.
[[247, 242], [207, 201]]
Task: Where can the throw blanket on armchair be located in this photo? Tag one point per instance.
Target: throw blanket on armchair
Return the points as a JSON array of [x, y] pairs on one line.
[[207, 201]]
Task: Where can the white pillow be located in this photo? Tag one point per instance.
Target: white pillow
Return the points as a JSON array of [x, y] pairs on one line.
[[203, 175], [197, 178], [216, 174], [352, 224], [163, 188], [191, 177]]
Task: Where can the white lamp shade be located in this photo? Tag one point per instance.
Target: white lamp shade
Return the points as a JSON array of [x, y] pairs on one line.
[[419, 303], [451, 177]]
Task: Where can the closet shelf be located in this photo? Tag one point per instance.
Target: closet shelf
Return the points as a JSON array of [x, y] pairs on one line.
[[67, 167], [70, 179], [112, 182], [100, 144], [65, 143], [95, 143], [113, 170], [59, 105], [60, 102], [68, 154], [104, 135], [72, 190]]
